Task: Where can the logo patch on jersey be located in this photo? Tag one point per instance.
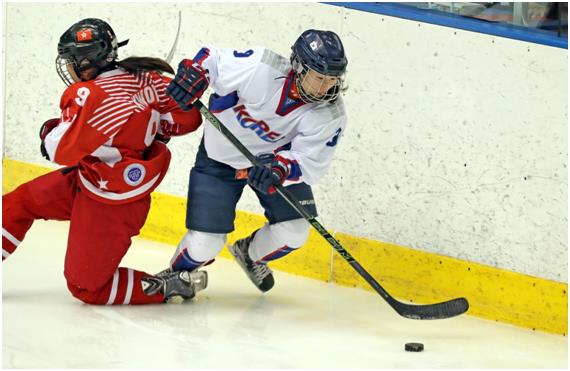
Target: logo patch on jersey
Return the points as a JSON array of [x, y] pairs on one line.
[[134, 174], [259, 127], [84, 35]]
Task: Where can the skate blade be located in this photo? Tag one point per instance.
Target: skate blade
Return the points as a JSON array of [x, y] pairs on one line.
[[199, 279], [175, 300]]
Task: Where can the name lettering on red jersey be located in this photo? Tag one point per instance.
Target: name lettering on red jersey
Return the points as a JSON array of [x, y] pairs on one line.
[[127, 94]]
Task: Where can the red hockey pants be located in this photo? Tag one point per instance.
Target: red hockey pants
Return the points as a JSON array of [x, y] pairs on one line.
[[99, 236]]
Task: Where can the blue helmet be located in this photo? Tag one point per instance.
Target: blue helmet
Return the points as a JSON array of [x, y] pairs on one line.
[[322, 52]]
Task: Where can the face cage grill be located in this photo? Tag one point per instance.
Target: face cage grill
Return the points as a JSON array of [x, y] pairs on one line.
[[62, 71], [331, 95]]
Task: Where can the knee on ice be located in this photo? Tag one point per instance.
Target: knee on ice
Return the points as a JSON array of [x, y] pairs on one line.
[[86, 296], [87, 292]]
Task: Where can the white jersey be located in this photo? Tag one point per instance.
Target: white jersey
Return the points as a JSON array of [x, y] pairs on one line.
[[252, 100]]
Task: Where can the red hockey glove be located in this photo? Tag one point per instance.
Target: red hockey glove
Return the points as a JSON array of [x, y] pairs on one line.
[[190, 82], [162, 138], [46, 128], [169, 129], [166, 130], [272, 170]]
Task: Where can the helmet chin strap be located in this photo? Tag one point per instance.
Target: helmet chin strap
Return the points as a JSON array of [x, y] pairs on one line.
[[294, 91], [109, 65], [123, 43]]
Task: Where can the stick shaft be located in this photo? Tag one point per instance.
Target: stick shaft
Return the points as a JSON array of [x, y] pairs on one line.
[[431, 311]]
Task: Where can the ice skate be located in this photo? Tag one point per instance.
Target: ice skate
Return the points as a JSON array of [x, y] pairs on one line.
[[176, 284], [259, 274]]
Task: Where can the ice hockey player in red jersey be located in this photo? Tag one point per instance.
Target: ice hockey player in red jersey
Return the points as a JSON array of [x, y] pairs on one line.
[[115, 118]]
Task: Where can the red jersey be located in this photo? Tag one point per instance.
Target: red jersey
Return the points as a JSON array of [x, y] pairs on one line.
[[107, 127]]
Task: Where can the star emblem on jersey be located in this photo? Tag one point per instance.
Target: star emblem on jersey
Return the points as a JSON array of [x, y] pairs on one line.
[[102, 184], [84, 35]]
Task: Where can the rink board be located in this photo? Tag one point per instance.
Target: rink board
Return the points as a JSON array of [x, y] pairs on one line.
[[408, 274]]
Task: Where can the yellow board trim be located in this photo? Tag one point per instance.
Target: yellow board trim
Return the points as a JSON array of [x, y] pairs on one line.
[[408, 274]]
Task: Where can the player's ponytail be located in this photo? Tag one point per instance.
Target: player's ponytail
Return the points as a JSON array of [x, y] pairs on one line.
[[138, 64]]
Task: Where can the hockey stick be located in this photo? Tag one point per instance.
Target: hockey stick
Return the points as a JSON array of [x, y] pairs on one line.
[[173, 49], [441, 310]]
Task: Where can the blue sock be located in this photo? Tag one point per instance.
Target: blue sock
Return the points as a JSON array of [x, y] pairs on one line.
[[184, 262], [279, 253]]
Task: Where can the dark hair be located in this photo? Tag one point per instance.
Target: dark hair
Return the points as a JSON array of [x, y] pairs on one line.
[[137, 64]]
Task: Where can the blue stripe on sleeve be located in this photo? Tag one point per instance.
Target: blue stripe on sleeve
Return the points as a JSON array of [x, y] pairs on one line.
[[221, 103]]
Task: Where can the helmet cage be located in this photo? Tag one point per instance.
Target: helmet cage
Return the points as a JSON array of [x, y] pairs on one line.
[[63, 66], [301, 70]]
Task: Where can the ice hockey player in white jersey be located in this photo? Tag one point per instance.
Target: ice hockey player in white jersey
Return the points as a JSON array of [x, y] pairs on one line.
[[287, 112]]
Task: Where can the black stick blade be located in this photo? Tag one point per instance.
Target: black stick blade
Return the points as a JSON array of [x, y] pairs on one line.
[[446, 309]]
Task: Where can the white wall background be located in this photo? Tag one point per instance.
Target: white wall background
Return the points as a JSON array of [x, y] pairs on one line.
[[457, 141]]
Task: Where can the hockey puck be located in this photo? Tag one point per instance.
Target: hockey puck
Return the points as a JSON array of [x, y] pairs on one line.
[[414, 347]]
